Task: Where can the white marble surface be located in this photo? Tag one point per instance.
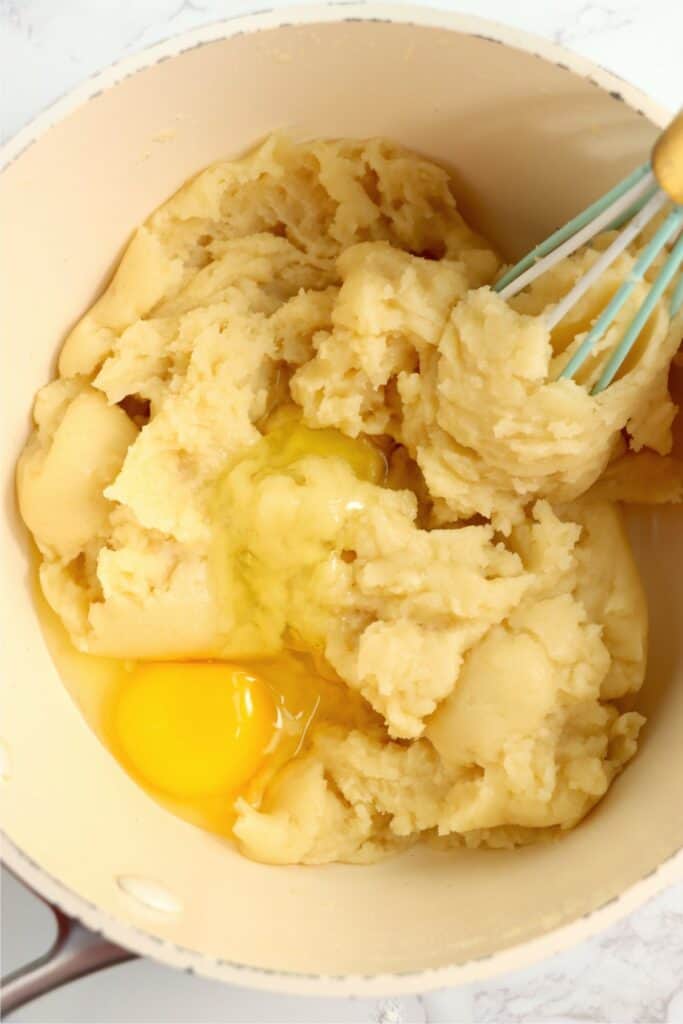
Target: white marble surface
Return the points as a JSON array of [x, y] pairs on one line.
[[631, 973]]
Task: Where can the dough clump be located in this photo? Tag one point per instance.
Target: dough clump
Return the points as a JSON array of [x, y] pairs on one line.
[[299, 417]]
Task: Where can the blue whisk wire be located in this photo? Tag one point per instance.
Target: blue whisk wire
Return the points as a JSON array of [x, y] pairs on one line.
[[574, 225], [636, 201], [677, 297], [661, 283], [666, 231]]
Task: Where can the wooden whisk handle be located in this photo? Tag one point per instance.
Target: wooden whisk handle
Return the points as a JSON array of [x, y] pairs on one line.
[[667, 159]]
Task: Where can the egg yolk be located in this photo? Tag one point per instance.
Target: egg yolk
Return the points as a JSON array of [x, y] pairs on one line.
[[287, 440], [191, 729], [198, 734]]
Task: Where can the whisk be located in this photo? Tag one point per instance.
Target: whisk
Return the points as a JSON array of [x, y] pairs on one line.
[[630, 205]]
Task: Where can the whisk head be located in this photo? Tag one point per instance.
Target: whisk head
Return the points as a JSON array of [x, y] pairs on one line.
[[629, 206]]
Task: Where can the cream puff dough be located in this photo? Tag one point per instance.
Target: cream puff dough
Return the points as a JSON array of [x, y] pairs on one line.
[[299, 418]]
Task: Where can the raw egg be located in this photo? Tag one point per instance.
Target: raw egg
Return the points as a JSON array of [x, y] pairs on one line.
[[191, 730], [287, 440], [197, 734]]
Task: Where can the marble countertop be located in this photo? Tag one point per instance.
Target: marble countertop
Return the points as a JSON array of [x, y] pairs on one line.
[[631, 973]]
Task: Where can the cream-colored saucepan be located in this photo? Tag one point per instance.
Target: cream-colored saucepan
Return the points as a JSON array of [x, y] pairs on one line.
[[533, 134]]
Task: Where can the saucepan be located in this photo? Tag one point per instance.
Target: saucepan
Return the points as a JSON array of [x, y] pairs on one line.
[[532, 134]]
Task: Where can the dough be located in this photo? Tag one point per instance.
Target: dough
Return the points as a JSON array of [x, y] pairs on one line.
[[299, 416], [525, 738]]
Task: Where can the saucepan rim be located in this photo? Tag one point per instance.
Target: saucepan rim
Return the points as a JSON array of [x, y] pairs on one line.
[[138, 941]]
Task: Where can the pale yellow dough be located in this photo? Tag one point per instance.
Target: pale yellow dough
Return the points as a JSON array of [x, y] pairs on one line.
[[483, 600]]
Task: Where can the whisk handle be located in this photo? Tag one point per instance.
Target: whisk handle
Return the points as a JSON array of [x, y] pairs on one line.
[[667, 159]]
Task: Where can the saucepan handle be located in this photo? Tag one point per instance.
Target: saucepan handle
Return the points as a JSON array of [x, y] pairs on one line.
[[75, 952]]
